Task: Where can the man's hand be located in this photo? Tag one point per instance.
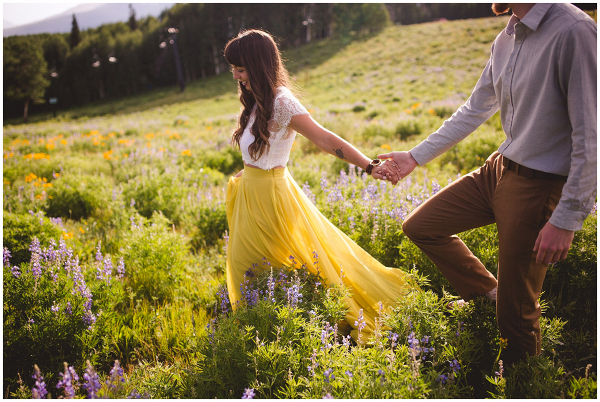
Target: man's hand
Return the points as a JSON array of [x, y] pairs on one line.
[[388, 170], [552, 244], [403, 162]]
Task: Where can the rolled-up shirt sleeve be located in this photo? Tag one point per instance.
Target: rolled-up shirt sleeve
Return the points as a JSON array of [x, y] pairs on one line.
[[578, 78], [481, 105]]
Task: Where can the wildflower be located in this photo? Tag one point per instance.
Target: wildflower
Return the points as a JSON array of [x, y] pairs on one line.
[[349, 373], [39, 389], [223, 295], [69, 308], [442, 378], [6, 257], [54, 308], [248, 393], [500, 369], [328, 396], [115, 376], [382, 374], [328, 374], [454, 366], [68, 381], [271, 287], [16, 271], [121, 268], [92, 382]]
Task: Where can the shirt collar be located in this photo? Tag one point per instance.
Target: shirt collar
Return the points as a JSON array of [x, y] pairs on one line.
[[532, 19]]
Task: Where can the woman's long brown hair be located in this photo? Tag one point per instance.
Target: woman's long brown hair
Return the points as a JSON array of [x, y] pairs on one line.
[[257, 52]]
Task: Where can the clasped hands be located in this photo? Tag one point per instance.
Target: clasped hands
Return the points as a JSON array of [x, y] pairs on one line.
[[395, 167]]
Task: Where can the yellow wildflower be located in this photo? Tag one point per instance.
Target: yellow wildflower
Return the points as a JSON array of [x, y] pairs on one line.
[[30, 177], [187, 152], [46, 185], [64, 142], [431, 111], [67, 235], [81, 230], [94, 132], [416, 105], [106, 155], [386, 146], [408, 111]]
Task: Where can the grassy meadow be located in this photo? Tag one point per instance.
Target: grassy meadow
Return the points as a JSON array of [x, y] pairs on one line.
[[115, 238]]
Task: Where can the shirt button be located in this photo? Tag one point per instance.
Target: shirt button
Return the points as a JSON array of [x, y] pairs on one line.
[[507, 97], [519, 41], [509, 69]]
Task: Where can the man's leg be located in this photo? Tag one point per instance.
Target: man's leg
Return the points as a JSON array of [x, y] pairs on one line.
[[462, 205], [522, 207]]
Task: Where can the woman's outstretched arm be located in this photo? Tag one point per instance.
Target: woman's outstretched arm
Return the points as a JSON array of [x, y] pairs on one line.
[[339, 147]]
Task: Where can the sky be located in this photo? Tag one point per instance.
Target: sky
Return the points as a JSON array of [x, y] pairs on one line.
[[24, 13]]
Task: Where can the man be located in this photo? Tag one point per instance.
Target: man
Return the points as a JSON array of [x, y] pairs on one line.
[[540, 185]]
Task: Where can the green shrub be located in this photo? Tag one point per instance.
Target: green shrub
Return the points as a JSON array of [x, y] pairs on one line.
[[226, 161], [210, 224], [53, 311], [154, 256], [155, 193], [408, 128], [19, 231], [374, 130], [79, 197]]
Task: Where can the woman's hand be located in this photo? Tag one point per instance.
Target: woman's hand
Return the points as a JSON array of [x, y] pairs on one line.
[[240, 173], [388, 171]]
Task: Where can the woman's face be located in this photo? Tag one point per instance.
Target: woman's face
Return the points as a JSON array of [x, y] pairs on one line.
[[241, 75]]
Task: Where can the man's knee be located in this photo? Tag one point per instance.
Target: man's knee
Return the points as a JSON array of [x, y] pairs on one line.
[[410, 227]]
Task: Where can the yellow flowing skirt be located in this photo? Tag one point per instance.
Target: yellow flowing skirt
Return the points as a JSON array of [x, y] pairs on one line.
[[270, 217]]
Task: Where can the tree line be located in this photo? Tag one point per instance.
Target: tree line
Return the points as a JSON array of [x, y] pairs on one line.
[[183, 44]]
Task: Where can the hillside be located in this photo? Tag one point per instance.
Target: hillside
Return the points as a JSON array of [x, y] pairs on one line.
[[403, 63]]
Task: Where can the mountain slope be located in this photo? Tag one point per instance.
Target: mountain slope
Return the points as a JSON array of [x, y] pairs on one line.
[[89, 15]]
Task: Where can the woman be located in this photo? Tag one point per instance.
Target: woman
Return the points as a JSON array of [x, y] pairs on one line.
[[268, 213]]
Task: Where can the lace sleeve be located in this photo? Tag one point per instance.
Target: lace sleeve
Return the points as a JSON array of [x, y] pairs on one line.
[[285, 107]]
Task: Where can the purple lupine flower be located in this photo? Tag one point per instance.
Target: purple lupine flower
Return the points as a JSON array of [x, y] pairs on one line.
[[54, 308], [500, 369], [382, 374], [134, 394], [360, 323], [39, 389], [328, 396], [349, 374], [36, 255], [324, 183], [442, 378], [226, 238], [16, 271], [327, 373], [435, 186], [293, 295], [68, 381], [69, 308], [413, 344], [325, 335], [121, 268], [92, 382], [454, 366], [132, 203], [271, 288], [98, 252], [115, 375], [351, 220], [248, 393], [6, 257], [223, 295]]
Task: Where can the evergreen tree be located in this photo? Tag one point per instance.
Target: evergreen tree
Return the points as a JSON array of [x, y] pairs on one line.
[[75, 34], [25, 71], [132, 21]]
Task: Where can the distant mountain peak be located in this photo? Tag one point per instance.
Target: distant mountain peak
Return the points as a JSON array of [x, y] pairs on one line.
[[89, 15]]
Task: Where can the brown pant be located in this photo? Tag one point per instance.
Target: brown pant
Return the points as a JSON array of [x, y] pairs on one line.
[[520, 207]]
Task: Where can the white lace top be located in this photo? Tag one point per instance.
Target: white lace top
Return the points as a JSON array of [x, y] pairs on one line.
[[285, 106]]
